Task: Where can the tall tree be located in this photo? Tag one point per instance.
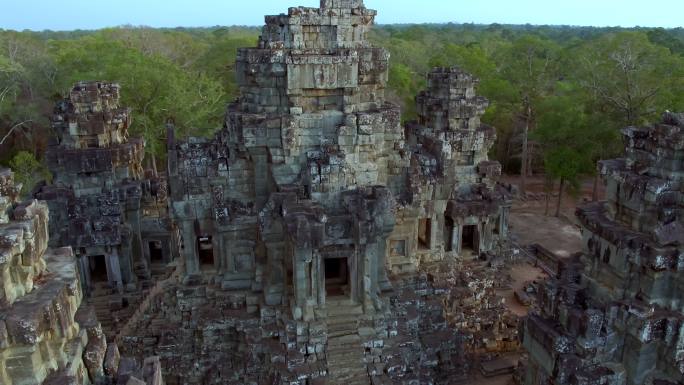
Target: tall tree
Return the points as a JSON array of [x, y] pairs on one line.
[[567, 139], [530, 65], [28, 171], [157, 89], [633, 78]]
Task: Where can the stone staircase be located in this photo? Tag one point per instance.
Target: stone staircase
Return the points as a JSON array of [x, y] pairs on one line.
[[345, 351]]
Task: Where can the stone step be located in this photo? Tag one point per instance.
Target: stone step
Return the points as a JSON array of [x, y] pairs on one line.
[[345, 340], [344, 310]]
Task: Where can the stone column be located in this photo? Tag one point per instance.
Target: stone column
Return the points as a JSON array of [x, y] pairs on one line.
[[133, 220], [302, 257], [455, 239], [126, 264], [114, 269], [458, 236], [190, 248]]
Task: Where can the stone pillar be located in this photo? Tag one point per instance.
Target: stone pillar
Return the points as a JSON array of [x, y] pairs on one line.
[[133, 220], [126, 264], [190, 248], [458, 228], [503, 225], [114, 269], [367, 280], [319, 276], [166, 249], [481, 235], [455, 239], [302, 257]]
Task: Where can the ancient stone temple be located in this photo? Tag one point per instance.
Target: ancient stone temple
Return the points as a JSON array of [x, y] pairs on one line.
[[101, 203], [615, 314], [294, 196], [452, 204], [46, 335]]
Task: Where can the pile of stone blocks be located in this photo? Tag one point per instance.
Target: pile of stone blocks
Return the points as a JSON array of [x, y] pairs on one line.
[[614, 314], [40, 296]]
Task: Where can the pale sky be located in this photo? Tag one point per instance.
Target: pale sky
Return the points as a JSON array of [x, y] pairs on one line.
[[94, 14]]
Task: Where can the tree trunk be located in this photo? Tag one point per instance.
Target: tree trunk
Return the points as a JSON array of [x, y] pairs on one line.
[[154, 166], [523, 162], [560, 197], [594, 192], [548, 199]]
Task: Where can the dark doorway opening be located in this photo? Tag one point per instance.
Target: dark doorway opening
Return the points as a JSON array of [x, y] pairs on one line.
[[469, 239], [205, 249], [449, 235], [336, 277], [497, 226], [156, 252], [98, 268], [424, 232], [289, 272]]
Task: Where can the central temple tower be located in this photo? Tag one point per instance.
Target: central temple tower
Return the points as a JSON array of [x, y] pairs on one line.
[[301, 175]]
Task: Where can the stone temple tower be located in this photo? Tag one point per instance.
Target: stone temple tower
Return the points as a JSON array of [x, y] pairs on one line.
[[615, 315], [297, 199], [101, 203]]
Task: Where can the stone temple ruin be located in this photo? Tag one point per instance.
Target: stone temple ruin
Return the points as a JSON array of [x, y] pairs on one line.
[[277, 243], [317, 240], [614, 314], [47, 333], [102, 204]]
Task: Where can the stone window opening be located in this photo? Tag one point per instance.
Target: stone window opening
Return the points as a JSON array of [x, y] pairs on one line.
[[205, 249], [336, 277], [467, 159], [424, 233], [469, 239], [156, 252], [398, 248], [98, 269]]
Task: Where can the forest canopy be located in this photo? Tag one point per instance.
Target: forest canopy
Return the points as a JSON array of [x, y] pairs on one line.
[[557, 93]]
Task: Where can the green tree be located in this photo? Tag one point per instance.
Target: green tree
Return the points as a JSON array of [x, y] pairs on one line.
[[157, 89], [567, 141], [530, 64], [631, 78], [28, 171]]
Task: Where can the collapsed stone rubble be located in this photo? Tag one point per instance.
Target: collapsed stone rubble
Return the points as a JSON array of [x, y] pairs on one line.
[[614, 314], [47, 334]]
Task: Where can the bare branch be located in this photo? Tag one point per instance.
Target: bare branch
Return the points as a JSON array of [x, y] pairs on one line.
[[12, 129]]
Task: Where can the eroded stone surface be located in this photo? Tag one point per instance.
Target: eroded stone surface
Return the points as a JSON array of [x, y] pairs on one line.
[[47, 334], [614, 315]]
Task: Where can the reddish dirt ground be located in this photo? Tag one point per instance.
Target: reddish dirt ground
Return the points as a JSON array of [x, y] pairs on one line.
[[529, 224]]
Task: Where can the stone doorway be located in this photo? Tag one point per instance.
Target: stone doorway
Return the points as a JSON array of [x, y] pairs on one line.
[[449, 234], [156, 252], [470, 240], [336, 277], [205, 250], [98, 269], [424, 233]]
